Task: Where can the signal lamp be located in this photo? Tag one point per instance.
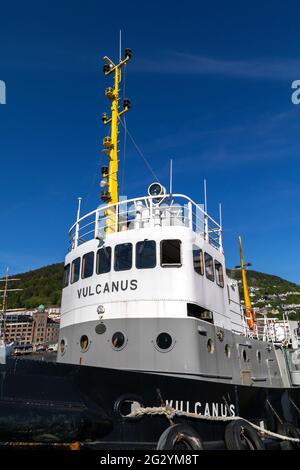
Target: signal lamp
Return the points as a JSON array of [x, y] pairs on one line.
[[107, 142], [103, 183], [109, 93], [106, 68], [126, 103], [104, 117], [105, 196], [156, 189], [128, 53], [104, 170]]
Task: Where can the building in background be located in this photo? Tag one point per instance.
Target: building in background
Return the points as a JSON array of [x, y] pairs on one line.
[[38, 327]]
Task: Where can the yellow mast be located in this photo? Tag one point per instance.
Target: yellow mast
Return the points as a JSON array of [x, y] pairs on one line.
[[250, 315], [110, 173]]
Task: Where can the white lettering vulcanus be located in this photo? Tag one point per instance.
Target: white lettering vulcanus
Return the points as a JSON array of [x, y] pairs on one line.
[[108, 287]]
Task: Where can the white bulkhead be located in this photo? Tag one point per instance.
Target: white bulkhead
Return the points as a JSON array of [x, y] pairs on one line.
[[162, 263]]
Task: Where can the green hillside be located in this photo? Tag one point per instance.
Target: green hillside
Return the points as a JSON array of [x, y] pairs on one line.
[[272, 284], [268, 292], [41, 286], [271, 294]]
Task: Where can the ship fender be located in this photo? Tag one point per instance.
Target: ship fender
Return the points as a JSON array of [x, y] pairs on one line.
[[289, 430], [179, 435], [240, 435]]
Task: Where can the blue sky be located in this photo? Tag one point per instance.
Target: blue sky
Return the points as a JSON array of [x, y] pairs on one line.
[[210, 84]]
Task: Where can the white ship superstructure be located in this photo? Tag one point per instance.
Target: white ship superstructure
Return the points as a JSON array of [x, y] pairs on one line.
[[155, 351], [146, 289]]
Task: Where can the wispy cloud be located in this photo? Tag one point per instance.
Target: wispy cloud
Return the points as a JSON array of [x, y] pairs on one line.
[[269, 137], [260, 68]]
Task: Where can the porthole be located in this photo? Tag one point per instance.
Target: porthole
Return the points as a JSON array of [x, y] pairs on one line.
[[100, 328], [244, 354], [164, 341], [210, 346], [62, 346], [118, 340], [84, 343], [227, 351], [258, 355]]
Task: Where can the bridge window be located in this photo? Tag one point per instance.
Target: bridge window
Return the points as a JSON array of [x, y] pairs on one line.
[[145, 255], [75, 270], [123, 257], [87, 265], [209, 267], [219, 274], [198, 260], [66, 275], [170, 253], [103, 260]]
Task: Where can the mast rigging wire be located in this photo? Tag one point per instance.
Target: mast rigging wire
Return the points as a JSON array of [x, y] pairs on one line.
[[140, 152]]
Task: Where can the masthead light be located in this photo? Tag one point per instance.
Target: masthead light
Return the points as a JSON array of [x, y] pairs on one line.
[[126, 103], [128, 53]]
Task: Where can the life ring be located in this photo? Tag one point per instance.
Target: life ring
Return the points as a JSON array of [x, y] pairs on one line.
[[289, 430], [179, 435], [240, 435]]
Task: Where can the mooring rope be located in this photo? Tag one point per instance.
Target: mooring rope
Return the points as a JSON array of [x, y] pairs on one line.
[[170, 413]]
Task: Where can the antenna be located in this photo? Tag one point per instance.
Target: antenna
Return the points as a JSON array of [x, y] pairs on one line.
[[5, 291], [220, 231], [205, 211], [77, 222], [205, 196], [220, 214], [78, 208], [171, 176], [120, 45]]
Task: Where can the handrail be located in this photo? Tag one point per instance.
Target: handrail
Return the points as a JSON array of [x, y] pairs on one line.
[[173, 209]]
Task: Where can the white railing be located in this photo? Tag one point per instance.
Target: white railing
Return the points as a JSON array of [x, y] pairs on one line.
[[139, 213], [275, 331]]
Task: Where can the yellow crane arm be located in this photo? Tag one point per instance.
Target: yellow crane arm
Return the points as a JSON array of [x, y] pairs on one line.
[[250, 315]]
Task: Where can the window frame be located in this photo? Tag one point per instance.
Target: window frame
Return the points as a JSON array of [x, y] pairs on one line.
[[83, 265], [72, 270], [219, 282], [201, 259], [66, 280], [108, 248], [137, 255], [170, 265], [206, 257], [115, 257]]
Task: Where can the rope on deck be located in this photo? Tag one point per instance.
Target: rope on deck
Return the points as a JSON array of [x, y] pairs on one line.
[[170, 413]]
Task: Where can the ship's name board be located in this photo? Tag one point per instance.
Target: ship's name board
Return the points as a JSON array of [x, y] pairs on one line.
[[200, 408], [108, 287]]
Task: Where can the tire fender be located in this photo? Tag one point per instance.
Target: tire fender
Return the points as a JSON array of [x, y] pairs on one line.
[[240, 435], [290, 430], [179, 433]]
